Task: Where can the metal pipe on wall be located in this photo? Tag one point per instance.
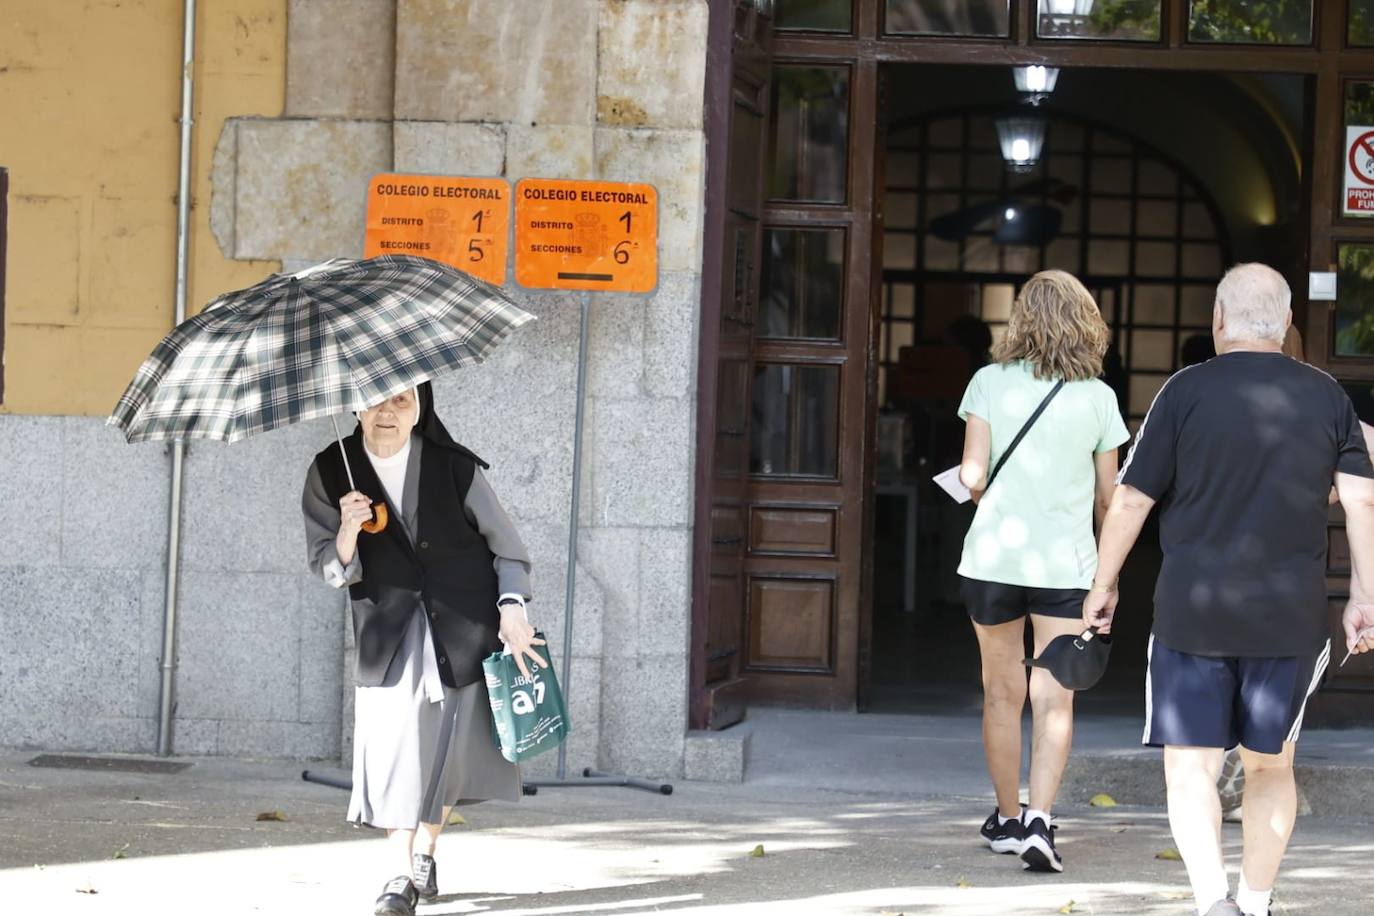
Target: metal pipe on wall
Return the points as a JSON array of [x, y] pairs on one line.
[[169, 617]]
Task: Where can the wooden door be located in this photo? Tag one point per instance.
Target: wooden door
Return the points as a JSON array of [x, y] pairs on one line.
[[741, 67], [1342, 94], [803, 565]]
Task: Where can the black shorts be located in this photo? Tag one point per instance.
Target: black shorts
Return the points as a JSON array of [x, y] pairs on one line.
[[1205, 701], [991, 603]]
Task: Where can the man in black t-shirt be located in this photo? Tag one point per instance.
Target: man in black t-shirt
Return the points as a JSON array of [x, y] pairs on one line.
[[1240, 452]]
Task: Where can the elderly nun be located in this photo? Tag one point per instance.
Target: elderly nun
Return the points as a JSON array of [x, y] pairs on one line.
[[441, 585]]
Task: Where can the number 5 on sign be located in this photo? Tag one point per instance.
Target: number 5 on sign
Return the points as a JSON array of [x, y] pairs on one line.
[[463, 222], [586, 235]]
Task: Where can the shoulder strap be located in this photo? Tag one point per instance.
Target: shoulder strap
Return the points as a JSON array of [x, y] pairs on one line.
[[1022, 434]]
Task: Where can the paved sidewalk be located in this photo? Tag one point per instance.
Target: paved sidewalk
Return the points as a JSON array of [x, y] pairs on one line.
[[190, 844], [943, 755]]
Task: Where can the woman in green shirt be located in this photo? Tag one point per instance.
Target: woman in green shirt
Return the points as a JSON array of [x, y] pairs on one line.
[[1030, 550]]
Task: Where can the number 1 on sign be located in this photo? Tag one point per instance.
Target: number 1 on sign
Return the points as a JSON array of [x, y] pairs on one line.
[[627, 219]]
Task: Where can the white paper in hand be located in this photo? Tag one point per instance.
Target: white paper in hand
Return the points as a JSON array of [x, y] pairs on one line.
[[949, 482]]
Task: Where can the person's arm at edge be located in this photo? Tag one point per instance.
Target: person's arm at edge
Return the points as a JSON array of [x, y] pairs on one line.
[[1120, 529], [973, 468], [1105, 468], [1357, 499]]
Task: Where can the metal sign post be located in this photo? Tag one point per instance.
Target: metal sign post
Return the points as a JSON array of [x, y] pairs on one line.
[[590, 777], [587, 235]]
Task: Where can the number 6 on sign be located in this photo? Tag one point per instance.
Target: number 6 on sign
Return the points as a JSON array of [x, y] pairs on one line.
[[586, 235]]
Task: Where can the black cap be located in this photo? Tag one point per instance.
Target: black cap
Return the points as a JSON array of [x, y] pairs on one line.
[[1077, 662]]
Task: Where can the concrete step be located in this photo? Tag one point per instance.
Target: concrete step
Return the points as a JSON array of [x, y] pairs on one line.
[[930, 755], [1324, 789]]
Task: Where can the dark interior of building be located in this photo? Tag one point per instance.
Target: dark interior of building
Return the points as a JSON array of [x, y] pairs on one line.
[[1147, 186]]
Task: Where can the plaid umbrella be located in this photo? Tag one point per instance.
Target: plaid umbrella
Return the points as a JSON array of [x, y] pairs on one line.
[[341, 336]]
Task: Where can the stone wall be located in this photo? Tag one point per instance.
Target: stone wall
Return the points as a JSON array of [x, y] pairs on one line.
[[82, 571], [608, 89]]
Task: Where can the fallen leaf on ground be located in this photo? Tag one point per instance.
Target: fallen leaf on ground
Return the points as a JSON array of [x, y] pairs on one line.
[[962, 882], [455, 819], [1169, 855], [120, 854], [757, 852], [87, 889], [1068, 907], [1102, 800], [271, 816], [1118, 830]]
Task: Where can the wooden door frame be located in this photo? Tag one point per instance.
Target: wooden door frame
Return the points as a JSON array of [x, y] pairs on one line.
[[4, 244], [717, 705], [720, 37], [865, 49]]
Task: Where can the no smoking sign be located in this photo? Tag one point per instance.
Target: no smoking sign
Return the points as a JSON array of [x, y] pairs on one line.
[[1359, 171]]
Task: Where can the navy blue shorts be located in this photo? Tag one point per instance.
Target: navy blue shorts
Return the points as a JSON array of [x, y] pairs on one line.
[[992, 603], [1201, 701]]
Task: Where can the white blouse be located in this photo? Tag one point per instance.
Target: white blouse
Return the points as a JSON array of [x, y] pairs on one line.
[[392, 473]]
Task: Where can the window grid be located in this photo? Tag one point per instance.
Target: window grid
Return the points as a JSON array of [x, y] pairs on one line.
[[1143, 294]]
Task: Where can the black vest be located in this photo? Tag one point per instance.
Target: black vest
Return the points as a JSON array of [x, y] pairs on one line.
[[449, 567]]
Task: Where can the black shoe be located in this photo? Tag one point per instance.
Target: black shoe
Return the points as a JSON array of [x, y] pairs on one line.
[[398, 898], [1037, 849], [1225, 907], [426, 876], [1002, 837]]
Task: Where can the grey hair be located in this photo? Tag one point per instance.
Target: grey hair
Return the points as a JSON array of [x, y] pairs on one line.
[[1255, 302]]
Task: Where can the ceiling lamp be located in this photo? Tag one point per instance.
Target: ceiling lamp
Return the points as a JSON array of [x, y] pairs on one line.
[[1037, 80], [1022, 137], [1069, 7]]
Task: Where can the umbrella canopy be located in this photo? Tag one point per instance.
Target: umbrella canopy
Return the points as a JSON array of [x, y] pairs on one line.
[[340, 336]]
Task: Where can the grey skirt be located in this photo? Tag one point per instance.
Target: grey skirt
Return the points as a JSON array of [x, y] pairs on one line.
[[413, 757]]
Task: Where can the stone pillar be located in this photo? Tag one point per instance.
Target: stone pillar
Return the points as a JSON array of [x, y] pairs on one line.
[[605, 89]]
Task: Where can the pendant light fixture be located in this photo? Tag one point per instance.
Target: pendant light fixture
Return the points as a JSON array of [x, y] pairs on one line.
[[1022, 136]]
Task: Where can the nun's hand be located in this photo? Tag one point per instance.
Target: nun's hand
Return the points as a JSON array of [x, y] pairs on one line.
[[519, 638], [354, 510]]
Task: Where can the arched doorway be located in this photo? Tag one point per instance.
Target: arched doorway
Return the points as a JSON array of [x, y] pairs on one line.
[[785, 583], [961, 232]]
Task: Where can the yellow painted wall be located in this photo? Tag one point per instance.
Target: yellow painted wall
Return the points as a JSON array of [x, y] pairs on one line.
[[90, 94]]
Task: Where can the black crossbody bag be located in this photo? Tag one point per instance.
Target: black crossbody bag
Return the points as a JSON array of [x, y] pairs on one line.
[[1030, 421]]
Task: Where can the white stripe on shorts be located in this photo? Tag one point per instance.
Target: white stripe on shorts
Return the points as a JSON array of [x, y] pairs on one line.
[[1149, 698], [1318, 670]]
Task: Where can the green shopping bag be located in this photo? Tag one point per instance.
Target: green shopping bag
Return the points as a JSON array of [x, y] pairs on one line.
[[528, 716]]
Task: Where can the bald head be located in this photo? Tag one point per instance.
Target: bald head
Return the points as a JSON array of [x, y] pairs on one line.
[[1253, 305]]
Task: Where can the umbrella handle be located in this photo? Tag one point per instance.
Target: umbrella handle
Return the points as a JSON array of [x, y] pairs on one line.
[[379, 523]]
